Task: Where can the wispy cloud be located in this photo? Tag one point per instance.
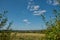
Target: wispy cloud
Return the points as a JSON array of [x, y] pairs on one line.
[[53, 2], [26, 21], [34, 7], [39, 12], [36, 10]]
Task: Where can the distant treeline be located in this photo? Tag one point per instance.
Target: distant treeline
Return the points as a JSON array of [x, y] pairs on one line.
[[24, 31]]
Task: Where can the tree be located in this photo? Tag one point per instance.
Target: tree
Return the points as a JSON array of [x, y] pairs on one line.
[[53, 25], [58, 1], [3, 21]]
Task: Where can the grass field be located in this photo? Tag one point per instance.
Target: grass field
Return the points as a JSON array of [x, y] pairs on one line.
[[27, 36]]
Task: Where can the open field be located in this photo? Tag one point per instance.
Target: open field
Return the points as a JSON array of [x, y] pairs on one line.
[[27, 36]]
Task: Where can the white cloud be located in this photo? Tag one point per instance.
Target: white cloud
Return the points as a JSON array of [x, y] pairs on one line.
[[53, 2], [39, 12], [35, 9], [31, 6], [49, 1], [26, 21]]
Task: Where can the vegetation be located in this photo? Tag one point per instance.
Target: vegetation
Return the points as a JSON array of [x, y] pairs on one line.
[[3, 21], [53, 25], [51, 33], [53, 30]]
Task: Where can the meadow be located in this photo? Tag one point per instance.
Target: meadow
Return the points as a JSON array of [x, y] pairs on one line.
[[26, 36]]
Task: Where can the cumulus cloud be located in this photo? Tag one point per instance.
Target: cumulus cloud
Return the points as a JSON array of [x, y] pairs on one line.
[[53, 2], [39, 12], [26, 21]]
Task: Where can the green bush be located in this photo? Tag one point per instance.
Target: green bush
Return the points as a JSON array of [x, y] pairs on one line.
[[53, 26]]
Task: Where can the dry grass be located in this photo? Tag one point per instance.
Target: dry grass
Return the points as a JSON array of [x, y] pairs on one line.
[[27, 36]]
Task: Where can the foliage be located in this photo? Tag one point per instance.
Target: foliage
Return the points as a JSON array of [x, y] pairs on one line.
[[53, 26], [3, 21]]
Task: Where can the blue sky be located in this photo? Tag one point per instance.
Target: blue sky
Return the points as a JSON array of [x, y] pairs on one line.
[[25, 14]]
